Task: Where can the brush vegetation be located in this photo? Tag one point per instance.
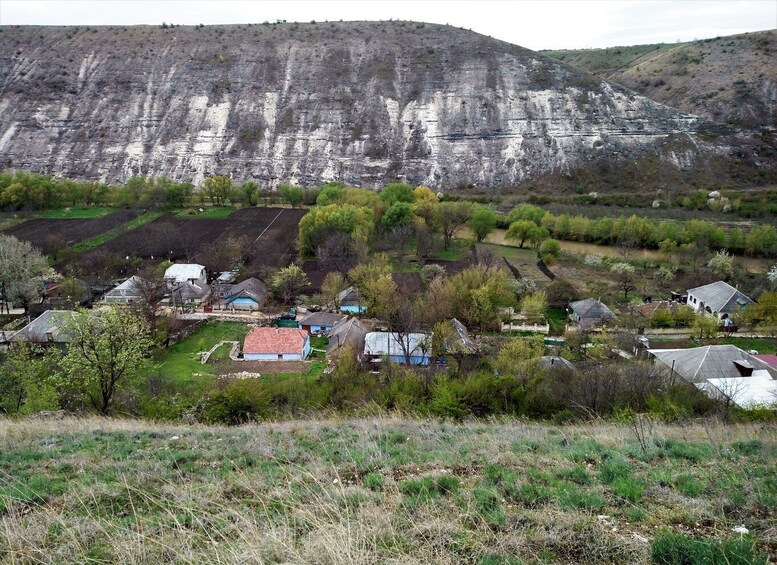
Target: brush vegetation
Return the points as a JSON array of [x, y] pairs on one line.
[[389, 490]]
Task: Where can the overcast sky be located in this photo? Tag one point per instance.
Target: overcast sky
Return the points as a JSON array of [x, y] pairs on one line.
[[536, 24]]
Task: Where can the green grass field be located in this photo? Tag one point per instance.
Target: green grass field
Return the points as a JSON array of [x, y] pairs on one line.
[[75, 212], [386, 490], [181, 362], [10, 219], [208, 212]]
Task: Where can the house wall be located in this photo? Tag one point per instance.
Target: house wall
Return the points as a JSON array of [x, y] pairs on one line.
[[414, 359], [284, 357], [314, 329], [244, 304], [353, 309], [272, 357], [700, 308]]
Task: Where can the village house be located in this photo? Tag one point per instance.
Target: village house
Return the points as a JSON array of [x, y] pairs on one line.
[[185, 273], [276, 344], [128, 292], [590, 313], [697, 364], [350, 301], [721, 370], [46, 329], [188, 283], [410, 348], [250, 294], [719, 300], [320, 322], [347, 332]]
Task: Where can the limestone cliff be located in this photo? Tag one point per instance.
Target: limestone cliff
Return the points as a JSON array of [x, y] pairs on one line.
[[305, 103]]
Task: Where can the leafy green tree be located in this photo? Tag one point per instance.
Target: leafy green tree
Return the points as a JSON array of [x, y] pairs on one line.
[[250, 192], [21, 270], [527, 212], [550, 247], [24, 380], [219, 189], [448, 217], [331, 193], [762, 240], [107, 349], [323, 221], [288, 281], [706, 326], [294, 195], [522, 230], [334, 283], [396, 192], [534, 307], [374, 283], [399, 214], [482, 222]]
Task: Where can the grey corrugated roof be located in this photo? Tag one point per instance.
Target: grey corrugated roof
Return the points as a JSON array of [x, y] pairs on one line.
[[129, 289], [51, 322], [251, 288], [349, 297], [698, 364], [325, 319], [550, 362], [465, 339], [592, 309], [386, 343], [720, 297], [349, 331]]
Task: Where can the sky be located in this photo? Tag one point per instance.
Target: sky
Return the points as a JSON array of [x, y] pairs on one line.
[[536, 24]]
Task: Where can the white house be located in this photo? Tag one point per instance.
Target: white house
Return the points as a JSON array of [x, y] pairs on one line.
[[719, 300], [185, 273], [128, 292]]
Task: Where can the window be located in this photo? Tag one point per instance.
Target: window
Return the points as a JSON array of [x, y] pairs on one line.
[[280, 355]]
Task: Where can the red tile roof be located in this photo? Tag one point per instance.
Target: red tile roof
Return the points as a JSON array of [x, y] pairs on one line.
[[274, 341]]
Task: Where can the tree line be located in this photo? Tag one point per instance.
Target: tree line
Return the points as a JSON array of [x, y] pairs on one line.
[[25, 191]]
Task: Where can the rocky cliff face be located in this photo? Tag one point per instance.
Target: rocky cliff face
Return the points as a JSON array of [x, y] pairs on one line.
[[359, 102]]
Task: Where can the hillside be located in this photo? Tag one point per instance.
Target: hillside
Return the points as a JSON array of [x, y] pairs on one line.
[[730, 79], [385, 490], [363, 102]]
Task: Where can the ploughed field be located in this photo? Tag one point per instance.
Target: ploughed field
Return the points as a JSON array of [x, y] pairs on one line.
[[48, 233], [271, 232]]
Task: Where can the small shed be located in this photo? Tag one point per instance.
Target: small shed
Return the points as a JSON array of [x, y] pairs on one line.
[[351, 301], [317, 322], [276, 344]]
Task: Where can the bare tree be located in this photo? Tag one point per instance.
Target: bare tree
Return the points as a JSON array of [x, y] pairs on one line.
[[340, 253]]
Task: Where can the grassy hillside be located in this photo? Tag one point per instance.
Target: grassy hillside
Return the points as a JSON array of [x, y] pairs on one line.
[[730, 79], [385, 490]]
